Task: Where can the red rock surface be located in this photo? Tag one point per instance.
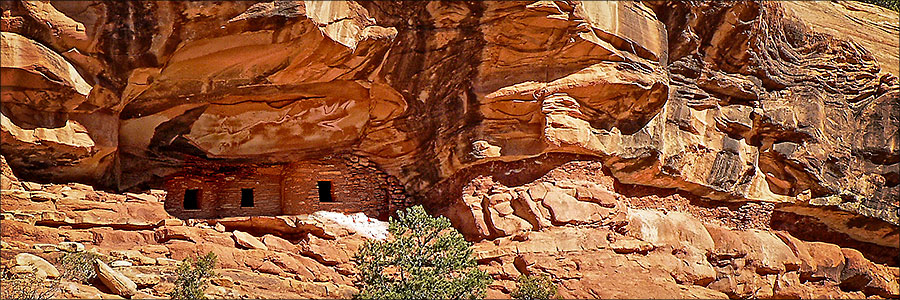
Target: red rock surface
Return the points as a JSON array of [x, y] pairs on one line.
[[654, 247], [304, 256], [627, 148], [611, 251]]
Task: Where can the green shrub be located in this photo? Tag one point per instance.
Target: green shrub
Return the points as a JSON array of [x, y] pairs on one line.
[[79, 266], [427, 259], [26, 286], [534, 287], [193, 277], [889, 4]]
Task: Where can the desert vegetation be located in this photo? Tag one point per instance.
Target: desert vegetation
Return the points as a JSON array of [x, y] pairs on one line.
[[427, 259], [532, 287], [79, 266], [889, 4], [193, 277], [26, 285]]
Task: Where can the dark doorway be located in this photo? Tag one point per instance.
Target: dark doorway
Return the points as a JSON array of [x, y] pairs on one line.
[[325, 191], [246, 197], [192, 199]]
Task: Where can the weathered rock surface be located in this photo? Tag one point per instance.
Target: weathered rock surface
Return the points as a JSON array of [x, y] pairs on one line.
[[649, 247], [790, 110], [781, 102], [620, 253], [520, 121]]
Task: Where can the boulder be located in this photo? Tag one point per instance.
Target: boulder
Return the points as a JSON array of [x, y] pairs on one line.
[[525, 206], [324, 251], [507, 224], [70, 246], [141, 279], [860, 274], [769, 254], [276, 243], [27, 270], [468, 217], [827, 261], [248, 241], [504, 208], [42, 268], [270, 268], [727, 243], [115, 281], [595, 193], [45, 247], [673, 228], [488, 250], [631, 245], [222, 281], [566, 209], [809, 265], [302, 267]]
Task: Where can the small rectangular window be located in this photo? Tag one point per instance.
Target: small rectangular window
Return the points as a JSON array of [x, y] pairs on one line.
[[192, 199], [246, 197], [325, 191]]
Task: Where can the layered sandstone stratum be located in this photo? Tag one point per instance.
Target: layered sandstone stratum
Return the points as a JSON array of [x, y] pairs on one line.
[[628, 149]]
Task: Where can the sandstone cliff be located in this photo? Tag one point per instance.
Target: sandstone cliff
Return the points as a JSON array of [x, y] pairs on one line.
[[505, 116]]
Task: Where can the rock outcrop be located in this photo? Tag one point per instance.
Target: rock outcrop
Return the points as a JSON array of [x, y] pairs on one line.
[[625, 246], [605, 249]]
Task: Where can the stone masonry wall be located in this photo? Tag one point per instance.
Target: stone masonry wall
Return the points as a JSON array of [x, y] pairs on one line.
[[220, 191], [357, 185]]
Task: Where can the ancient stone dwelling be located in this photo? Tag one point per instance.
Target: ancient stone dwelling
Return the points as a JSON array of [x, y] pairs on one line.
[[349, 184]]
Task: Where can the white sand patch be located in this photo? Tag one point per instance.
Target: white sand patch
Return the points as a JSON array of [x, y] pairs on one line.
[[359, 223]]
